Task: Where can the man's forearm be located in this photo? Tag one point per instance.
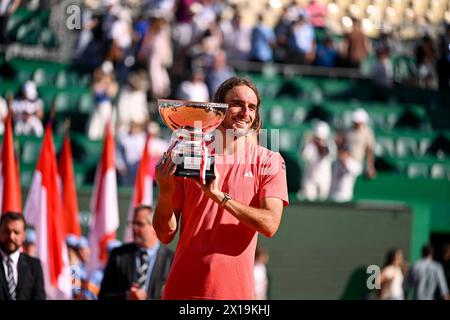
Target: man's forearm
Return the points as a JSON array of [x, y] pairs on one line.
[[164, 219], [263, 220]]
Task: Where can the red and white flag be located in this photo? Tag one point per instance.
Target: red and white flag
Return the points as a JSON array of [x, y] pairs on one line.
[[68, 190], [10, 191], [43, 210], [104, 206], [143, 188]]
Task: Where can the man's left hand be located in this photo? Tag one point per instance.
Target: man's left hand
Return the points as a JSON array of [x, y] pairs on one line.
[[212, 188]]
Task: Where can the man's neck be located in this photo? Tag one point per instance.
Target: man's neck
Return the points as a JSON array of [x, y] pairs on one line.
[[4, 253], [233, 144], [149, 245]]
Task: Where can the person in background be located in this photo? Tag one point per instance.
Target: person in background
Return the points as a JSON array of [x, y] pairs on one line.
[[317, 155], [356, 45], [238, 42], [77, 271], [360, 141], [29, 245], [317, 13], [391, 278], [138, 270], [426, 279], [345, 171], [105, 89], [132, 104], [28, 111], [262, 41], [218, 72], [302, 41], [91, 287], [7, 9], [21, 276], [156, 52], [3, 114], [383, 72], [446, 262], [194, 89], [129, 151], [261, 276], [326, 53], [219, 221]]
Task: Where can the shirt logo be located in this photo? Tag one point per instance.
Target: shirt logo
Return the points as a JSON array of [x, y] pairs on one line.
[[248, 174]]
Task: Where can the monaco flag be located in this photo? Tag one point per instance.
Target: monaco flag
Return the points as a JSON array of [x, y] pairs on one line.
[[10, 192], [143, 188], [68, 190], [104, 206], [43, 210]]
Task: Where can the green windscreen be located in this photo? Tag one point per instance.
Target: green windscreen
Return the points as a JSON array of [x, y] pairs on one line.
[[322, 251]]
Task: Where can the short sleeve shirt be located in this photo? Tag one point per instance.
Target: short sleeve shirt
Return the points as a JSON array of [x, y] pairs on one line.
[[214, 258]]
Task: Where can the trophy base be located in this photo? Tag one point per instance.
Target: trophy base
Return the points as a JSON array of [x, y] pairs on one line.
[[190, 168], [189, 173]]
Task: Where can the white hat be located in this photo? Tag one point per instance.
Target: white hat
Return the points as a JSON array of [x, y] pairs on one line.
[[73, 241], [322, 130], [107, 67], [30, 90], [360, 116]]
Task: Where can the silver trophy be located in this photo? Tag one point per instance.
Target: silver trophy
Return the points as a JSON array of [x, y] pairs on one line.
[[192, 123]]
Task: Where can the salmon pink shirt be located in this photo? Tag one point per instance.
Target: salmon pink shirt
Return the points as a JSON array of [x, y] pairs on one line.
[[215, 254]]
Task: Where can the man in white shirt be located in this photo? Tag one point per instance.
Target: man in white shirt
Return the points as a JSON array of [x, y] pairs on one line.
[[132, 105], [21, 276], [317, 155], [194, 89], [345, 171], [28, 112]]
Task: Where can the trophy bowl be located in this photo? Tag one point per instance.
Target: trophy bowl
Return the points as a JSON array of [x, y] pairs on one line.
[[191, 121]]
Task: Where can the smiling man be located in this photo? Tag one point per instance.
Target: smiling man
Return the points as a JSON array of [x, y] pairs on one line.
[[219, 221]]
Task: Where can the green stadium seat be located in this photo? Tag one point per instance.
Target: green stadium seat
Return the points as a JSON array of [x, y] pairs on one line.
[[64, 102], [47, 38], [406, 146], [47, 95], [28, 33], [86, 103], [378, 120], [26, 174], [299, 115], [85, 80], [288, 140], [30, 150], [415, 170], [23, 75], [20, 17], [424, 144], [80, 171], [384, 146], [440, 171], [278, 116], [42, 77]]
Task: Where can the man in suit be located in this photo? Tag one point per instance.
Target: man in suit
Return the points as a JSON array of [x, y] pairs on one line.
[[138, 270], [21, 276]]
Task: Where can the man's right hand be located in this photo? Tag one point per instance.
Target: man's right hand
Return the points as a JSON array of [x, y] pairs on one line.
[[136, 293], [164, 174]]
